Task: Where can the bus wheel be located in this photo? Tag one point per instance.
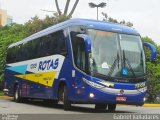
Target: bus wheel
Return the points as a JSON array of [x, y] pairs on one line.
[[17, 97], [111, 107], [66, 102], [100, 106]]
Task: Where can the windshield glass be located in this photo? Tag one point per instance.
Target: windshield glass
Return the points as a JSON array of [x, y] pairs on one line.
[[133, 56], [116, 55]]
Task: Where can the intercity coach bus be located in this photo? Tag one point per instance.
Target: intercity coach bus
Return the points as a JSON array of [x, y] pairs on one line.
[[79, 61]]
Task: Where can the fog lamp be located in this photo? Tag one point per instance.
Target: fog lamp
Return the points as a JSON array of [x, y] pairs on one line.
[[91, 95]]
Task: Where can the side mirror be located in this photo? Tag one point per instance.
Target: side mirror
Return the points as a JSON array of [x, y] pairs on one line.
[[87, 41], [153, 50]]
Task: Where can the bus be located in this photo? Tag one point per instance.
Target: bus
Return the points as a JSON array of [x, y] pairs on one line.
[[79, 61]]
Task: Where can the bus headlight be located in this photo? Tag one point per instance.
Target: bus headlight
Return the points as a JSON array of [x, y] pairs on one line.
[[93, 84]]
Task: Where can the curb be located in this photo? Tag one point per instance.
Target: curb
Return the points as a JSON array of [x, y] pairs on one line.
[[145, 105], [151, 105], [5, 97]]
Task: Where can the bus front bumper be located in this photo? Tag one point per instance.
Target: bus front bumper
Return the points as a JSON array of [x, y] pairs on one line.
[[130, 97]]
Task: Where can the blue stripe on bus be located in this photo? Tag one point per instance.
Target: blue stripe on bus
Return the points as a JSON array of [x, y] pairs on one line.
[[20, 69]]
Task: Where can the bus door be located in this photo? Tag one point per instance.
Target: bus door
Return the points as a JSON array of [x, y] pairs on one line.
[[80, 63]]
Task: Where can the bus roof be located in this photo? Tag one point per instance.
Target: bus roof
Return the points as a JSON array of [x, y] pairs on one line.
[[93, 24]]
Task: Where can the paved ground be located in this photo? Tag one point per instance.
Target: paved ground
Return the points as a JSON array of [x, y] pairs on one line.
[[39, 107]]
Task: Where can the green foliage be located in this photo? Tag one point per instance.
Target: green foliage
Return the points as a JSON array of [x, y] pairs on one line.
[[110, 19], [1, 93], [153, 72], [8, 35], [16, 32], [36, 24]]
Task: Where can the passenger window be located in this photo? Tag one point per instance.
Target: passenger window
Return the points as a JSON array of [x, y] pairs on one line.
[[11, 55], [55, 41], [18, 53], [62, 38], [58, 43], [51, 44]]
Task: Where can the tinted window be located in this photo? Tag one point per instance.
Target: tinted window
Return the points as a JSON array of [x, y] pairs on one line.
[[54, 43], [11, 55]]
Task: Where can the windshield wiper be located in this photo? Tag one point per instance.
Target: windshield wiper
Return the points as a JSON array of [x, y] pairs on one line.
[[125, 60], [116, 61]]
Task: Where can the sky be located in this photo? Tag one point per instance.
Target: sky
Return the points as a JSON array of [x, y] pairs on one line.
[[144, 14]]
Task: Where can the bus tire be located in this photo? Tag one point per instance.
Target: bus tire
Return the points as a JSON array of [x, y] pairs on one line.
[[100, 106], [17, 97], [66, 102], [111, 107]]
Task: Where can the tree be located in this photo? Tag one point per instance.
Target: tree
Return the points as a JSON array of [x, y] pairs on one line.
[[66, 8], [57, 6], [8, 35], [110, 19], [153, 71]]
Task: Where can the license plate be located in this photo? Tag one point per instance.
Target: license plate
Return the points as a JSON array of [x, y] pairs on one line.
[[123, 99]]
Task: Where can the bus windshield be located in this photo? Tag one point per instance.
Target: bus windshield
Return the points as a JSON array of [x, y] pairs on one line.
[[116, 55]]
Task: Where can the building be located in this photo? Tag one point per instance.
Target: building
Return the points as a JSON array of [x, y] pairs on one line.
[[4, 18]]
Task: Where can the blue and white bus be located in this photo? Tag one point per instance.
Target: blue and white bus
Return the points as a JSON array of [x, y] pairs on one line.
[[79, 61]]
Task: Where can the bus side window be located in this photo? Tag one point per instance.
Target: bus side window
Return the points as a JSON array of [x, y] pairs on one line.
[[26, 53], [40, 47], [55, 48], [45, 42], [57, 43], [13, 51], [51, 45], [11, 55], [18, 53], [62, 42], [80, 51], [34, 47]]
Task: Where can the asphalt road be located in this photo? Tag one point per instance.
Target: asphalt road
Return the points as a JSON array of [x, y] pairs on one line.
[[40, 107]]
